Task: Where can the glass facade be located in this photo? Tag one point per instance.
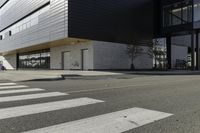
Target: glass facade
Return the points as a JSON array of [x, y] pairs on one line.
[[159, 52], [34, 60], [197, 12], [177, 14]]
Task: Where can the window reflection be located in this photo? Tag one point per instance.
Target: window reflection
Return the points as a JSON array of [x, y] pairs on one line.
[[197, 12], [177, 14], [36, 59]]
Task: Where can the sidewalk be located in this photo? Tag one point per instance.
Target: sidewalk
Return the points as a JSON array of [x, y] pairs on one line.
[[27, 75], [21, 75], [170, 72]]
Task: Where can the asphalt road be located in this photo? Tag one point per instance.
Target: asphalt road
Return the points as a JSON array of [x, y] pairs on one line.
[[176, 95]]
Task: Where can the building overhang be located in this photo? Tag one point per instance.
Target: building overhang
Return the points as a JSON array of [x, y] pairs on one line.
[[61, 42]]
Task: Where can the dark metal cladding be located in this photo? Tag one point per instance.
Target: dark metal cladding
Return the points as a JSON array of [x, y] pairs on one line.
[[124, 21]]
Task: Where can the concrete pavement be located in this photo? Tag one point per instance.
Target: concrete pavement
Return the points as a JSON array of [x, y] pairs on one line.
[[114, 104], [28, 75], [25, 75]]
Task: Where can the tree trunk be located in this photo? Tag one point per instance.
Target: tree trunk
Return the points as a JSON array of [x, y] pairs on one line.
[[155, 63], [132, 63]]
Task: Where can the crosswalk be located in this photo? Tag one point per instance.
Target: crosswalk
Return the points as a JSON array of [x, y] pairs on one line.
[[115, 122], [13, 87], [20, 91]]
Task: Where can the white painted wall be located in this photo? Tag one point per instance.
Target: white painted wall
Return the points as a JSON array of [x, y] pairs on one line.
[[9, 61], [75, 49], [178, 52]]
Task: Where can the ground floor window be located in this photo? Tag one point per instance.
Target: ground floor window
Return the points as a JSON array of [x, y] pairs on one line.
[[34, 60]]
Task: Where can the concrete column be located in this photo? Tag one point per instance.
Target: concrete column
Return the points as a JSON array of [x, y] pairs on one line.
[[197, 51], [169, 52], [192, 51]]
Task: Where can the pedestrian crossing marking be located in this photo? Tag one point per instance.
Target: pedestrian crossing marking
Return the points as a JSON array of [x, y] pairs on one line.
[[31, 96], [20, 91], [4, 84], [115, 122], [45, 107], [13, 87]]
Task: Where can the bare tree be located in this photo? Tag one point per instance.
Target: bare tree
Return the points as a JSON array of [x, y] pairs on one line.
[[153, 53], [133, 52]]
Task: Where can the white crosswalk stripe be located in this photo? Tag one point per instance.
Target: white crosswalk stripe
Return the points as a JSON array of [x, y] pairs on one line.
[[116, 122], [45, 107], [31, 96], [4, 84], [13, 87], [20, 91]]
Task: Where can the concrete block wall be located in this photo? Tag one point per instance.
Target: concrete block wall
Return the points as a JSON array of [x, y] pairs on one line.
[[110, 56], [114, 56], [75, 53], [102, 56]]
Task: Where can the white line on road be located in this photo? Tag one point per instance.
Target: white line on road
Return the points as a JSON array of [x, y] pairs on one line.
[[126, 86], [13, 87], [20, 91], [4, 84], [116, 122], [31, 96], [45, 107]]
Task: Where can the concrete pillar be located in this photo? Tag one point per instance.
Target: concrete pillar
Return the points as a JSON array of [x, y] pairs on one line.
[[192, 51], [197, 51], [168, 39]]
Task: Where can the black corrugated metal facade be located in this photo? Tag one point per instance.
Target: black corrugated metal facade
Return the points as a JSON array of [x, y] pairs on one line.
[[124, 21]]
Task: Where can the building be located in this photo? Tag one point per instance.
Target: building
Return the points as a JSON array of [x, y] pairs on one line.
[[93, 35], [73, 34], [178, 21]]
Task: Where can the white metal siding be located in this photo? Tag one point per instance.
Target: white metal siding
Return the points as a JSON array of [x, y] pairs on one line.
[[2, 2], [53, 25]]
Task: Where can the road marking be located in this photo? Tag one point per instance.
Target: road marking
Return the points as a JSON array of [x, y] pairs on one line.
[[31, 96], [20, 91], [4, 84], [13, 87], [116, 122], [108, 88], [126, 86], [45, 107]]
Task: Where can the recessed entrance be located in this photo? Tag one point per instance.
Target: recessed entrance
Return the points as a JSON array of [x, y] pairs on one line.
[[85, 59], [66, 60]]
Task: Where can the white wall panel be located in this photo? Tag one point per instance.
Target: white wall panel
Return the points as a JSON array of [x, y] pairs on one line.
[[2, 2], [52, 24]]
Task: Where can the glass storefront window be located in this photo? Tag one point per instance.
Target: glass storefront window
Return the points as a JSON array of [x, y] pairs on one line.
[[167, 16], [177, 14], [34, 60], [197, 12]]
